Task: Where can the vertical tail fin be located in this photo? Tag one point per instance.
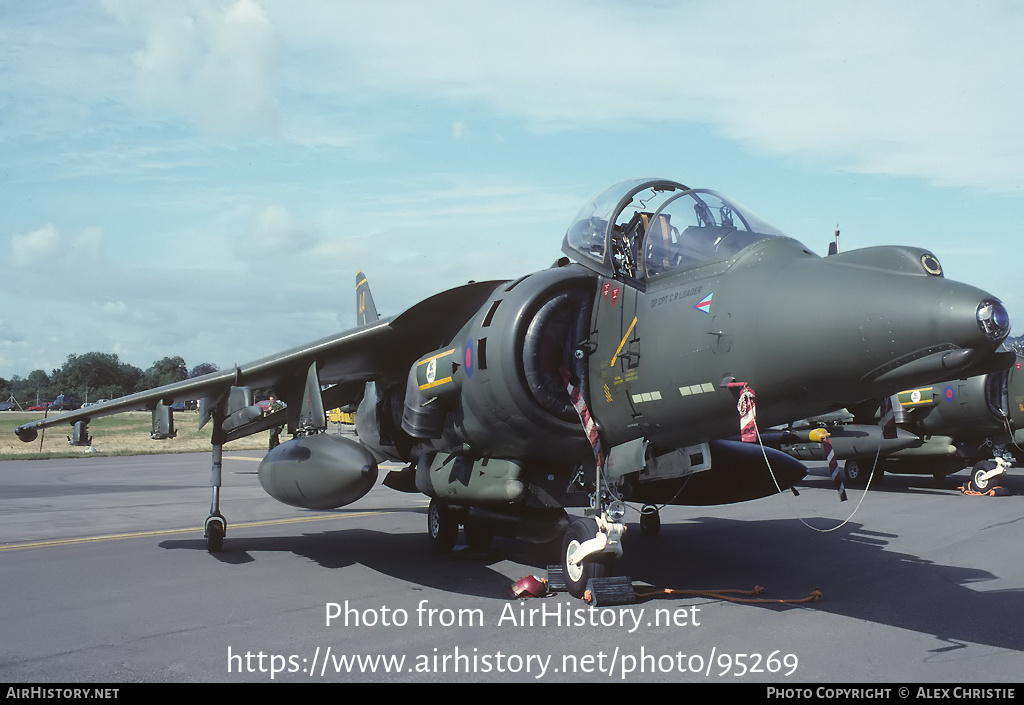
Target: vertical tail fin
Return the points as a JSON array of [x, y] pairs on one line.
[[366, 312]]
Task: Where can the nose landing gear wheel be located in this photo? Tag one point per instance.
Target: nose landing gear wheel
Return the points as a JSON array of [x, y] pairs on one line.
[[594, 566], [982, 477]]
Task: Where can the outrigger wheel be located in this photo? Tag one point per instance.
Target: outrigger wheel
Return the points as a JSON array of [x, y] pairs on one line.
[[214, 529]]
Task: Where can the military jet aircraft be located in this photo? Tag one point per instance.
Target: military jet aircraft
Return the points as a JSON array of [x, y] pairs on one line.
[[943, 428], [613, 376]]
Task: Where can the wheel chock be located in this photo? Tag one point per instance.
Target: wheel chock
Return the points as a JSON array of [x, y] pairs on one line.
[[617, 590], [556, 579]]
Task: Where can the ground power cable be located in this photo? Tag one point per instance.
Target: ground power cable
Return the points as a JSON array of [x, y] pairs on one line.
[[799, 518], [727, 595]]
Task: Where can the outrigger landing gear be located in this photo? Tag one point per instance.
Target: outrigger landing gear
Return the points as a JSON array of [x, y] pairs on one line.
[[216, 525], [233, 416], [215, 528]]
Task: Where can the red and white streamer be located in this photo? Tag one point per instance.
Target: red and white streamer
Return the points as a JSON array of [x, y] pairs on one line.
[[748, 415], [589, 427], [833, 469]]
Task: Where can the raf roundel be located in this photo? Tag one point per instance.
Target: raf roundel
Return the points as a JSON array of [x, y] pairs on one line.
[[469, 358]]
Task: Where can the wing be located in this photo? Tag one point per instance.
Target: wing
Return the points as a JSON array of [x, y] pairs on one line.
[[381, 350]]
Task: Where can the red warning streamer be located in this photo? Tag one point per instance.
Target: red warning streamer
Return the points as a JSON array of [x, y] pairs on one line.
[[833, 468], [589, 427], [748, 412]]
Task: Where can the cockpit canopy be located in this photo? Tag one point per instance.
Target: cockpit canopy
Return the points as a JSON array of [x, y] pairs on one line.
[[646, 227]]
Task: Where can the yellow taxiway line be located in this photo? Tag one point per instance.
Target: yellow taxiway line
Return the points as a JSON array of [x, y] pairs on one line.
[[172, 532]]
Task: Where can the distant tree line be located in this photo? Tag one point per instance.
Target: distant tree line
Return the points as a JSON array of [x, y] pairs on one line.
[[96, 375]]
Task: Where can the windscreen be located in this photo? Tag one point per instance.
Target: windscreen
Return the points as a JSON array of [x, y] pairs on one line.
[[696, 227]]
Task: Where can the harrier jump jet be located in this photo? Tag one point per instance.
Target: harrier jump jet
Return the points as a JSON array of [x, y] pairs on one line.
[[613, 376]]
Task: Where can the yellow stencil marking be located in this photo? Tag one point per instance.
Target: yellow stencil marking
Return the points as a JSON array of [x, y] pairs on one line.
[[623, 343]]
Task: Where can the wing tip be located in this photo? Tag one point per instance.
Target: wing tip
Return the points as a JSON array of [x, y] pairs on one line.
[[26, 433]]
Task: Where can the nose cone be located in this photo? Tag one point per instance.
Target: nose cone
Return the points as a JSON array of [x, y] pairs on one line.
[[886, 320], [966, 316], [938, 330]]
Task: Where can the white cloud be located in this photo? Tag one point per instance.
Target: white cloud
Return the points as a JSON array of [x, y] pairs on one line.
[[46, 247], [35, 247], [212, 63], [911, 88], [275, 234], [385, 111], [111, 309], [87, 245], [896, 88], [919, 89]]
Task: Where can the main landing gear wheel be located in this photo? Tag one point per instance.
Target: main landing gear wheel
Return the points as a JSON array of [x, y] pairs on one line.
[[216, 527], [442, 525], [593, 566], [650, 520], [854, 474]]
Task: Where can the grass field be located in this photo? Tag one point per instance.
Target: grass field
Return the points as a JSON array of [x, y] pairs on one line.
[[121, 434]]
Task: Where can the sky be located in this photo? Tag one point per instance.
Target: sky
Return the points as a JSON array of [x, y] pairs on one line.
[[203, 178]]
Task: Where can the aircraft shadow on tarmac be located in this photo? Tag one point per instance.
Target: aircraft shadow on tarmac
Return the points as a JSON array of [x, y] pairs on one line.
[[853, 567], [404, 556], [858, 575]]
